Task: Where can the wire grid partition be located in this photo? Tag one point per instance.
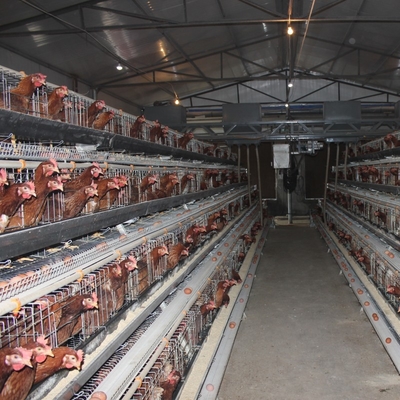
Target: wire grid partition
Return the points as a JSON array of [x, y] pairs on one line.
[[141, 278], [42, 270], [381, 272], [381, 172], [178, 354], [157, 266], [70, 155], [175, 357], [133, 192], [78, 110], [381, 210], [37, 103], [378, 144], [189, 181], [51, 263], [165, 177], [44, 315], [107, 283], [80, 323], [184, 343], [86, 391]]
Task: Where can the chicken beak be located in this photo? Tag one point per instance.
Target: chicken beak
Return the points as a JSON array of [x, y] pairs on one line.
[[49, 353], [27, 362]]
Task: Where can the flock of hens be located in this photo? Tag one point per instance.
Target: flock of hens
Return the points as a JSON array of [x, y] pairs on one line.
[[23, 367], [35, 360], [95, 116], [363, 255], [88, 189]]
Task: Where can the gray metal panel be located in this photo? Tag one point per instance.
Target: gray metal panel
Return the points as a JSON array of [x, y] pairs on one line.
[[172, 116], [397, 109], [348, 111], [241, 115]]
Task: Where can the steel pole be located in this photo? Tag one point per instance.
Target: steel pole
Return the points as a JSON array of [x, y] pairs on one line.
[[336, 165], [326, 179], [259, 186], [248, 173], [239, 154], [346, 154]]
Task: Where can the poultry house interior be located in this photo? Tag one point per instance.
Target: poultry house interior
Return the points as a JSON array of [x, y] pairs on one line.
[[198, 226]]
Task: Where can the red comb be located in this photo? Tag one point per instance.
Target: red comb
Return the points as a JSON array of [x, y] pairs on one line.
[[80, 355], [42, 341], [31, 185], [27, 354]]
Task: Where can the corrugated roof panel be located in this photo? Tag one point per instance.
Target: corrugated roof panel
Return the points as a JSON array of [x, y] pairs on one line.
[[173, 40]]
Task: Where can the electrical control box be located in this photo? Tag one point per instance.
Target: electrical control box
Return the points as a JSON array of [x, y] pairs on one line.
[[281, 155]]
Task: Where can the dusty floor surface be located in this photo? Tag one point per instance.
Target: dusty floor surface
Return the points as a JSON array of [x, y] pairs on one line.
[[304, 336]]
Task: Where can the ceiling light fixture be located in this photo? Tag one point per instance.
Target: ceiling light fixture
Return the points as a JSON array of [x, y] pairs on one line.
[[119, 67], [290, 30], [176, 101], [290, 84]]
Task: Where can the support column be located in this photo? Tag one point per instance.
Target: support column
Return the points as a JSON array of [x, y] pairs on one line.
[[346, 154], [259, 186], [336, 165], [248, 173], [326, 179], [239, 154]]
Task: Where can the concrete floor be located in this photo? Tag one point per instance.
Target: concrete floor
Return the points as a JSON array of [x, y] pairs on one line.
[[304, 336]]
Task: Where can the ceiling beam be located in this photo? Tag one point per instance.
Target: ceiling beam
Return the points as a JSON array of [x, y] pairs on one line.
[[349, 29], [263, 9], [176, 63], [144, 16], [313, 91], [234, 38], [365, 49], [42, 16], [262, 92], [205, 24], [327, 7], [255, 64], [383, 61], [315, 67]]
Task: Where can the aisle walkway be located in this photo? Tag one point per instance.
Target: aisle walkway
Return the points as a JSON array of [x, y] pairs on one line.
[[304, 337]]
